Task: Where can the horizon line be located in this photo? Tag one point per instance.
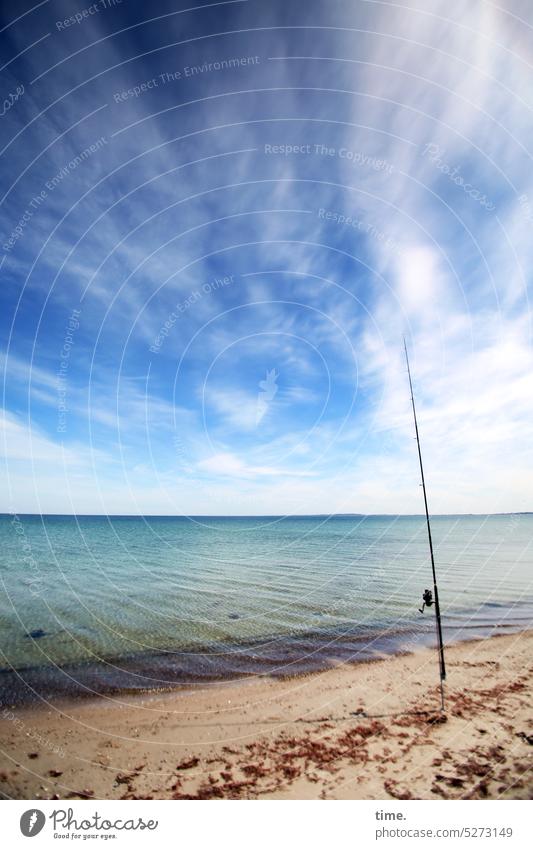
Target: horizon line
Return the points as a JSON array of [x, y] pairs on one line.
[[259, 515]]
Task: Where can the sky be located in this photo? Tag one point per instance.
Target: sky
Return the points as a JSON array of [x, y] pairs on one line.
[[218, 223]]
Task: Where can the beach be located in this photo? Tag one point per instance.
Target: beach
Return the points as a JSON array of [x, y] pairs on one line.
[[371, 730]]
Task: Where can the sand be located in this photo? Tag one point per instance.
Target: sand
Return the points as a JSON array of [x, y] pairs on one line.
[[364, 731]]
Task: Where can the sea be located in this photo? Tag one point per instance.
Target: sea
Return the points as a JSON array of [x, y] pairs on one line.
[[106, 604]]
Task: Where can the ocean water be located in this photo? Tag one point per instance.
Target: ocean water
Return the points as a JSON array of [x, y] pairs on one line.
[[100, 604]]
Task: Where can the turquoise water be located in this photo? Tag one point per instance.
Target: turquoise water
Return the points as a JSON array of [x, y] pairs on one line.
[[126, 602]]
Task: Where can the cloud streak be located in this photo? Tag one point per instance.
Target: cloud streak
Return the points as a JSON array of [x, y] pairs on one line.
[[366, 176]]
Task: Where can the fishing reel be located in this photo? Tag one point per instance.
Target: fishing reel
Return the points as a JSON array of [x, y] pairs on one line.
[[427, 600]]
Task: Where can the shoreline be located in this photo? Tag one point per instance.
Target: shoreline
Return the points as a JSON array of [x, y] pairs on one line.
[[367, 730], [279, 657]]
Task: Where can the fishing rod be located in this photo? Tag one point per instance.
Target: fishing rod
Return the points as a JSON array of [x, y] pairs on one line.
[[428, 596]]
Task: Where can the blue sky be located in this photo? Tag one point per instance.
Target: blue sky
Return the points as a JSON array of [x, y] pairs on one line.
[[217, 225]]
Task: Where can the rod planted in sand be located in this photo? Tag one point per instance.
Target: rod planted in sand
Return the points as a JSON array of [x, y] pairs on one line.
[[442, 665]]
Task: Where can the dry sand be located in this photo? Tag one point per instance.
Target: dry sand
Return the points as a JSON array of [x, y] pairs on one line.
[[352, 732]]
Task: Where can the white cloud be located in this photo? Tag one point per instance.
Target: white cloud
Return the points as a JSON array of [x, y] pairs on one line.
[[230, 465]]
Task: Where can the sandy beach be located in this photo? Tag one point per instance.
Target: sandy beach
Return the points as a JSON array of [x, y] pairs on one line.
[[365, 731]]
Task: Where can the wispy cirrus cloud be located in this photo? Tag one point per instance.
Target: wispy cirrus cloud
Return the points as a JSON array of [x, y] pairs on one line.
[[245, 173]]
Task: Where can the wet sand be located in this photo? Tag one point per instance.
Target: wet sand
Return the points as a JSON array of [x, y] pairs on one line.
[[367, 731]]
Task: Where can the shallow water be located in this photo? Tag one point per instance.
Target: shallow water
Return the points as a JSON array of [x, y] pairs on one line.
[[99, 604]]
